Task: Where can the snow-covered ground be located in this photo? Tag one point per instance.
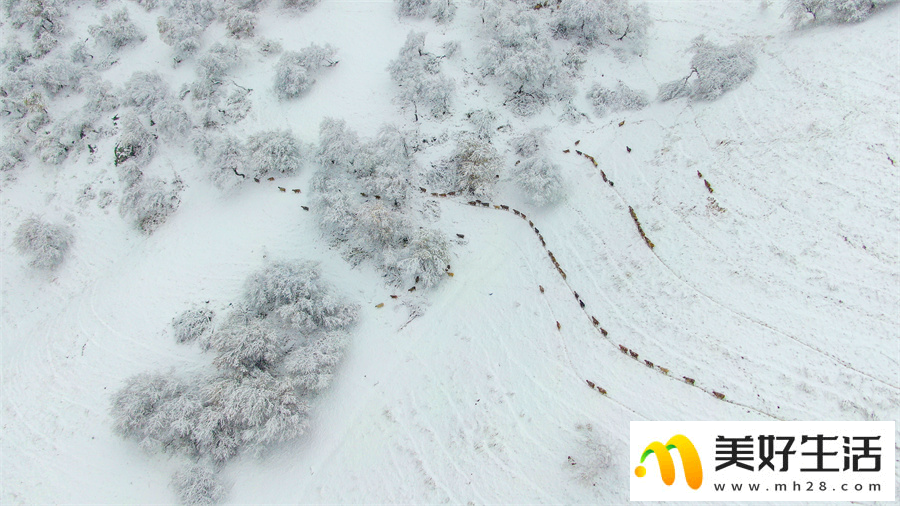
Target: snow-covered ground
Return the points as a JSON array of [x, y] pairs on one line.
[[780, 289]]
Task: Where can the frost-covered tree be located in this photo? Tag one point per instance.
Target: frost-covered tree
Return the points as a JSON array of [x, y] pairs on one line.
[[441, 11], [282, 283], [182, 34], [603, 22], [540, 179], [170, 119], [714, 70], [117, 30], [296, 71], [621, 98], [245, 344], [157, 410], [249, 412], [338, 145], [520, 56], [192, 324], [45, 243], [274, 152], [312, 365], [212, 68], [426, 257], [417, 73], [198, 484], [228, 160], [475, 163]]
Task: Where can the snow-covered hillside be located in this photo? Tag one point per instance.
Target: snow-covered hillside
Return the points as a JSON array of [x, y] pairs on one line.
[[772, 209]]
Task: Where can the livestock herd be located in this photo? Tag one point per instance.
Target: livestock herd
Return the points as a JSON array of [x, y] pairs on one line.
[[505, 208]]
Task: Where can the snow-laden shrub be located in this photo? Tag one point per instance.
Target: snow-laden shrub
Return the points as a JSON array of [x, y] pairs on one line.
[[117, 30], [714, 70], [805, 12], [540, 179], [529, 143], [148, 5], [299, 5], [240, 23], [54, 144], [197, 484], [417, 73], [620, 98], [483, 122], [274, 152], [475, 163], [144, 89], [101, 96], [150, 201], [12, 152], [192, 324], [426, 257], [45, 243], [136, 143], [602, 22], [296, 71]]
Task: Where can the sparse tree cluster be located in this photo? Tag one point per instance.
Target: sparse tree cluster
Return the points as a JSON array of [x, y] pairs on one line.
[[45, 243], [296, 71], [714, 70], [805, 12], [269, 367], [362, 198], [418, 74]]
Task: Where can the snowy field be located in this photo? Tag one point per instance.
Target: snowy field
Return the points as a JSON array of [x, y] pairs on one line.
[[773, 210]]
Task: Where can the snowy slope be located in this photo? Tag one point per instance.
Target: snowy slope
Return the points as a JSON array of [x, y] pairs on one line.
[[783, 292]]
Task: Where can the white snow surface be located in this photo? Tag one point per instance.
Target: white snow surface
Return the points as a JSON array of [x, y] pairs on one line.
[[783, 293]]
